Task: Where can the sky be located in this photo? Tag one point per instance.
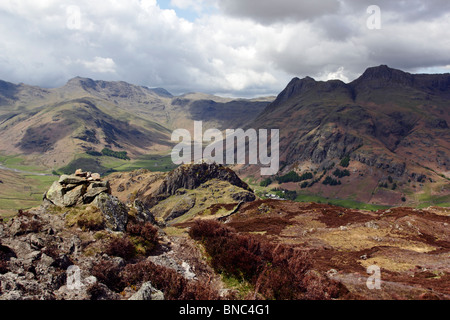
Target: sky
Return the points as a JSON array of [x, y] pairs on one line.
[[238, 48]]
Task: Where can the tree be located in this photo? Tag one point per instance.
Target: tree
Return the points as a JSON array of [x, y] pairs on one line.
[[266, 182], [345, 162]]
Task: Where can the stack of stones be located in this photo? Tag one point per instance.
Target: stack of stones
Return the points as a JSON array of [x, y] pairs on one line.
[[77, 189]]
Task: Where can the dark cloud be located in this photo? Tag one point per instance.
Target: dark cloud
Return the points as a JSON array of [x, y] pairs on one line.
[[411, 10], [269, 11], [247, 48]]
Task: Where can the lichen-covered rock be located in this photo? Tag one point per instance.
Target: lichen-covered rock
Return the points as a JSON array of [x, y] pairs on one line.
[[114, 211], [142, 212], [91, 193], [147, 292], [55, 194], [74, 196]]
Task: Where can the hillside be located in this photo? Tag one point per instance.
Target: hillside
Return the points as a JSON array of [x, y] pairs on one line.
[[388, 128], [52, 127], [114, 236]]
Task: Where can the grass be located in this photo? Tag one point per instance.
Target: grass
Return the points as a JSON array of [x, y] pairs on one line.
[[243, 287], [427, 198], [21, 191], [19, 163], [106, 164], [422, 200], [210, 193], [161, 163], [345, 203]]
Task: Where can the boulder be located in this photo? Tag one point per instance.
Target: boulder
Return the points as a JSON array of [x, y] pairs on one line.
[[143, 214], [96, 177], [100, 184], [114, 211], [91, 193], [72, 179], [73, 197], [80, 173], [55, 194], [147, 292]]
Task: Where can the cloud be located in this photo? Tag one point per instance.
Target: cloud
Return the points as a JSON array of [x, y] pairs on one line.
[[100, 65], [239, 48], [268, 11], [411, 10]]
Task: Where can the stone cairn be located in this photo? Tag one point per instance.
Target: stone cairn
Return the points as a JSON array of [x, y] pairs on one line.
[[77, 189]]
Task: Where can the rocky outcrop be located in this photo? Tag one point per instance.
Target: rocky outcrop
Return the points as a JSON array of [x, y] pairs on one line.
[[387, 164], [183, 206], [147, 292], [142, 212], [85, 244], [192, 176], [77, 189], [42, 258], [244, 196]]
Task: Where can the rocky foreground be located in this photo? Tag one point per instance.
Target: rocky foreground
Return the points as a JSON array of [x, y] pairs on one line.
[[199, 232], [84, 243]]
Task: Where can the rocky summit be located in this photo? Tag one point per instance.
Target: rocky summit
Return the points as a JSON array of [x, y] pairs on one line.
[[83, 243]]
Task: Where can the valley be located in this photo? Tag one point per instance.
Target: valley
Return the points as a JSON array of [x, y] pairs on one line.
[[380, 141]]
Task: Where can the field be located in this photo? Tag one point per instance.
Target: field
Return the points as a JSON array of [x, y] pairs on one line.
[[21, 191], [105, 165]]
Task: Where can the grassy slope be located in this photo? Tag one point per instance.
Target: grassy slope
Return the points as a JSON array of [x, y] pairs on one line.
[[21, 191]]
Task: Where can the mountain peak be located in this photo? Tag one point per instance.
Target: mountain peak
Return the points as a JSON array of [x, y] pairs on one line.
[[160, 92], [295, 87], [84, 83], [383, 76]]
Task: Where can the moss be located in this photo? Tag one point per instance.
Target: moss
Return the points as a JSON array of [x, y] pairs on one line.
[[100, 235], [87, 218], [243, 288]]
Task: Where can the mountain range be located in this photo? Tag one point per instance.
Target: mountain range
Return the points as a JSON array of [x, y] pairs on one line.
[[392, 126], [381, 139]]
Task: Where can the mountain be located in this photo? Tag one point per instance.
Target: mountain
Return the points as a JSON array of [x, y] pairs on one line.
[[382, 139], [391, 126], [51, 127]]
